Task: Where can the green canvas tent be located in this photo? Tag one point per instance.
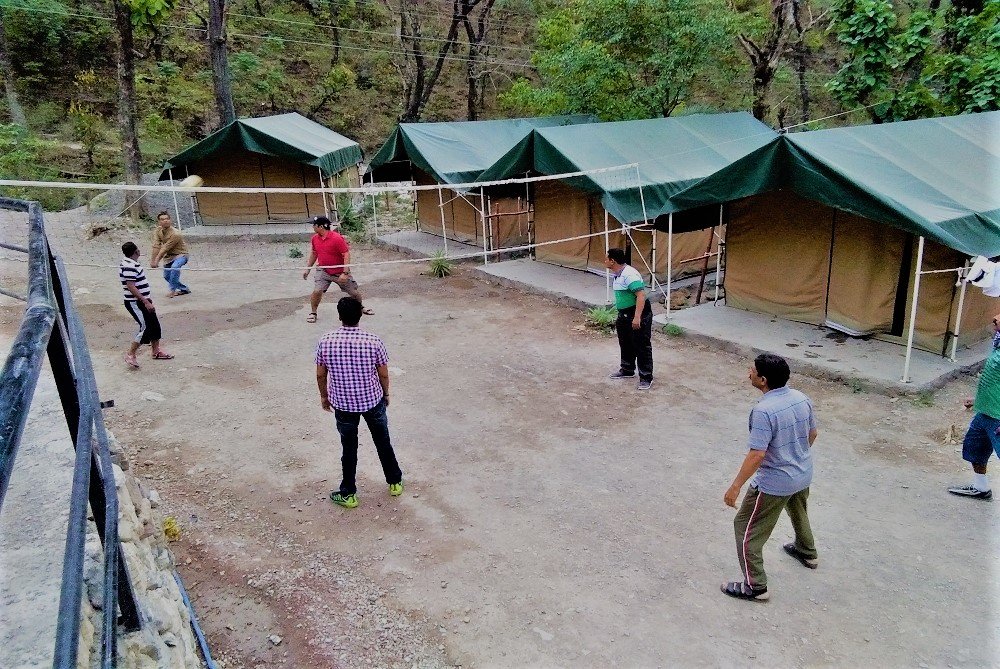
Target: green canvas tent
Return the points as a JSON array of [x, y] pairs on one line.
[[662, 157], [286, 150], [455, 153], [833, 227]]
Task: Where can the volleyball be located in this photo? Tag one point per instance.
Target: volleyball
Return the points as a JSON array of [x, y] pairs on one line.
[[193, 181]]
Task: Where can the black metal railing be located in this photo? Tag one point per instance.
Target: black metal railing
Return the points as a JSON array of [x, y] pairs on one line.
[[51, 328]]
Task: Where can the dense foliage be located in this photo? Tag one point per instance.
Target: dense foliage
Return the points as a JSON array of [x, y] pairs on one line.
[[359, 66]]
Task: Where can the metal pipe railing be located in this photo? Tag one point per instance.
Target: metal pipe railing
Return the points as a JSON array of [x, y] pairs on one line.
[[52, 327]]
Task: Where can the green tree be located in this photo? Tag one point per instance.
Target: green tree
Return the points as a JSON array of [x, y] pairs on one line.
[[944, 60], [622, 59]]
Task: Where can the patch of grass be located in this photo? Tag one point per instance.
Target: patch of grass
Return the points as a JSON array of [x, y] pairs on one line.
[[294, 252], [673, 330], [602, 318], [171, 528], [440, 265], [923, 399], [856, 385]]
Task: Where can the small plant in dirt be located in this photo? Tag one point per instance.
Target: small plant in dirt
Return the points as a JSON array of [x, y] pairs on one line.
[[294, 252], [602, 318], [855, 385], [441, 266], [673, 330], [923, 399]]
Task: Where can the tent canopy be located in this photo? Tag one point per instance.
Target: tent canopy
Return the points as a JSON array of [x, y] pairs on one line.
[[290, 136], [938, 178], [456, 152], [671, 154]]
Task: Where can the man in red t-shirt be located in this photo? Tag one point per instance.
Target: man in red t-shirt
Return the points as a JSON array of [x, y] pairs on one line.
[[334, 255]]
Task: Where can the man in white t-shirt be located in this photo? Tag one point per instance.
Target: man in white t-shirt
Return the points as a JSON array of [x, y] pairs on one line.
[[635, 320]]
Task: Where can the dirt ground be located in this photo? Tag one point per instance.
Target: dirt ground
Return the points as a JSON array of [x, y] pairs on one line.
[[552, 517]]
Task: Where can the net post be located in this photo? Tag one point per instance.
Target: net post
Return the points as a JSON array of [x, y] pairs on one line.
[[444, 229], [961, 305], [913, 311], [482, 216], [173, 192]]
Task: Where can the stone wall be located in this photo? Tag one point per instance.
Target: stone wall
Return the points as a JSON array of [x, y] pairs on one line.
[[166, 640]]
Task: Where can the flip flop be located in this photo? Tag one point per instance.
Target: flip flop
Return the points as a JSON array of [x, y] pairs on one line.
[[131, 361], [173, 293], [311, 318], [811, 563], [162, 355], [740, 590], [368, 312]]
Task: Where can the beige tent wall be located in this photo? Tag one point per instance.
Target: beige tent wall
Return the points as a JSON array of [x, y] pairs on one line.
[[688, 249], [778, 256], [508, 222], [806, 262], [937, 305], [251, 170], [561, 212], [279, 173], [977, 316], [864, 274], [237, 169], [461, 219]]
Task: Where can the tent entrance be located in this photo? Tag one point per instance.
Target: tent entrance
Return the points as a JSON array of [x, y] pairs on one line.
[[864, 262]]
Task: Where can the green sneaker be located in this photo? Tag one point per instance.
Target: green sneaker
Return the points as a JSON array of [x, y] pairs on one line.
[[396, 489], [346, 501]]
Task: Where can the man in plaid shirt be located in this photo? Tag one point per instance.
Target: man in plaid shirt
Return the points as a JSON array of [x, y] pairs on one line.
[[352, 374]]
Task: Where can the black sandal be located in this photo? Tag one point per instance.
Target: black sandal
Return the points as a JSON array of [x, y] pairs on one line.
[[741, 590], [811, 563]]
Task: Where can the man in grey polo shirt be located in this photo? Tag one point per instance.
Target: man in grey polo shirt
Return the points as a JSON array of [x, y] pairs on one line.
[[782, 432]]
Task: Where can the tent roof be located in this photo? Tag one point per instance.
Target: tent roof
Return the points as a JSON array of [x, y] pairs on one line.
[[672, 153], [290, 136], [938, 178], [459, 151]]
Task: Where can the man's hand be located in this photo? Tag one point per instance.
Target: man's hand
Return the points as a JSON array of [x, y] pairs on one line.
[[343, 278], [153, 264], [149, 305], [969, 402], [305, 274], [386, 398], [325, 403], [730, 497], [636, 323]]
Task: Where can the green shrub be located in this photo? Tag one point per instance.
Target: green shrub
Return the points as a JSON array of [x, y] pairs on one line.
[[294, 252], [923, 399], [673, 330], [440, 265], [602, 318]]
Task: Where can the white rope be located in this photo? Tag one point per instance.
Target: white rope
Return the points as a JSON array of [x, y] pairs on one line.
[[401, 261], [365, 190]]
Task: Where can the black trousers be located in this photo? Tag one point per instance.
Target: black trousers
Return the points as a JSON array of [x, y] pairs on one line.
[[378, 424], [636, 345], [149, 324]]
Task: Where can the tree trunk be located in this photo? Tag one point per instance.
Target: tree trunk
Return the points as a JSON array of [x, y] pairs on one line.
[[801, 67], [13, 103], [334, 13], [419, 80], [217, 48], [476, 36], [766, 57], [127, 111]]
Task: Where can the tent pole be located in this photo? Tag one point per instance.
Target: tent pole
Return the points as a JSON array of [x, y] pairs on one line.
[[718, 256], [645, 221], [444, 229], [482, 215], [652, 260], [670, 258], [961, 305], [913, 311], [326, 206], [177, 210], [374, 205], [607, 272]]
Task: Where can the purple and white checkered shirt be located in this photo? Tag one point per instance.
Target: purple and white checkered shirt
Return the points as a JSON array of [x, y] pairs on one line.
[[351, 356]]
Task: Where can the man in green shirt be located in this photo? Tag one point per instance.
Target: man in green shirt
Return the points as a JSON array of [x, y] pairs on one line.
[[983, 436], [635, 320]]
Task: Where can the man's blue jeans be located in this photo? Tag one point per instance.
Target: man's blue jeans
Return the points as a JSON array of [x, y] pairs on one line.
[[378, 424], [172, 274]]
